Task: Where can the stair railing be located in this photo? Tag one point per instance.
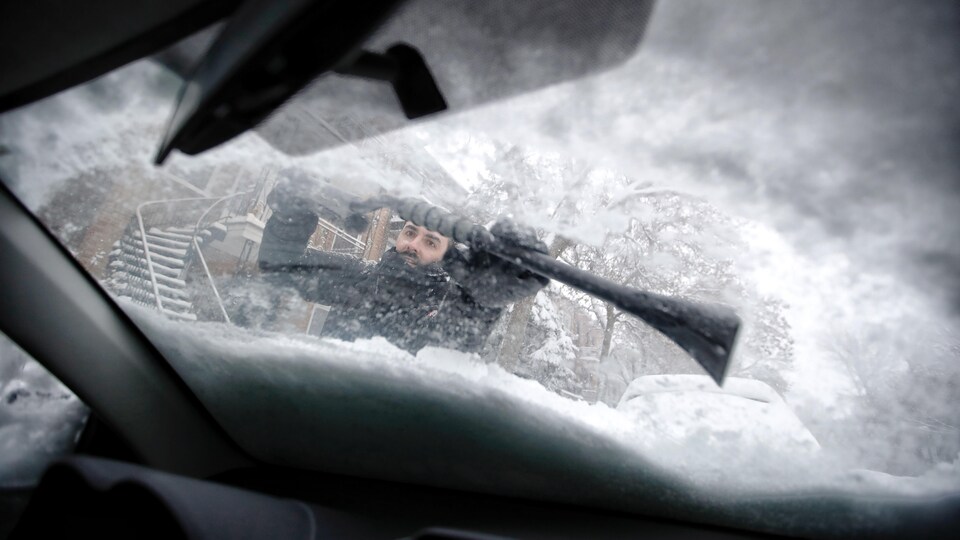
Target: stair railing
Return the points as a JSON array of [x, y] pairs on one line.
[[146, 248], [356, 245], [171, 212], [196, 246]]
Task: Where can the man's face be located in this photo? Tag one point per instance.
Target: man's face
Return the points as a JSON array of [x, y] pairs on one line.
[[420, 247]]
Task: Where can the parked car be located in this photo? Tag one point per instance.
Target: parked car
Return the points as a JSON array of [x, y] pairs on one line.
[[743, 413]]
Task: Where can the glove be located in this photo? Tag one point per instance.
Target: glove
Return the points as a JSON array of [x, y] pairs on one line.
[[292, 197], [285, 238], [490, 280], [298, 194]]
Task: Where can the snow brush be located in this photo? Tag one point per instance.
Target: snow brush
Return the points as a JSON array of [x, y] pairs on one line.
[[707, 332]]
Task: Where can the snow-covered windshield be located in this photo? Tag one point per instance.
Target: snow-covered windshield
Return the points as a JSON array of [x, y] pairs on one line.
[[797, 165]]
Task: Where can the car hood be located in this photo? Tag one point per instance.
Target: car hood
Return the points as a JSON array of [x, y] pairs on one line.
[[445, 419]]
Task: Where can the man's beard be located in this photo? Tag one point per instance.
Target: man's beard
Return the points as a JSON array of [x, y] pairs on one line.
[[411, 259], [401, 267]]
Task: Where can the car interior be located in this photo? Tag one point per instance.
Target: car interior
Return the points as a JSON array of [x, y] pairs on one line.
[[153, 461]]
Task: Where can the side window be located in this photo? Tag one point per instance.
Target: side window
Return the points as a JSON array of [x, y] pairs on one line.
[[40, 419]]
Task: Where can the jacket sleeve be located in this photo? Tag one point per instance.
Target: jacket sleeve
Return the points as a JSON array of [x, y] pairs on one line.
[[468, 323], [319, 276]]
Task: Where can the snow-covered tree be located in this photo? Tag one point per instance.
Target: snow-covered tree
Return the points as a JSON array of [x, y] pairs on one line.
[[669, 243], [906, 401], [684, 248], [549, 348]]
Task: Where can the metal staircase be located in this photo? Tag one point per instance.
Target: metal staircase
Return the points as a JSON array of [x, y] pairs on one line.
[[159, 262], [130, 269]]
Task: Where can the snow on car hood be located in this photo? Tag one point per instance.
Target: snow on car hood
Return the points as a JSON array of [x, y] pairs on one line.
[[443, 418], [744, 413]]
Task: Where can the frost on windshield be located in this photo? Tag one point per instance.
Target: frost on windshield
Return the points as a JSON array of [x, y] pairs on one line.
[[816, 203]]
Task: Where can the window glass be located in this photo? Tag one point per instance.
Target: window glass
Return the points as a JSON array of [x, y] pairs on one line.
[[40, 418], [817, 202]]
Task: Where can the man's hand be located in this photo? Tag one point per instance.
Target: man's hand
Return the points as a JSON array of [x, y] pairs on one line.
[[490, 280], [298, 200], [292, 197], [285, 238], [299, 194]]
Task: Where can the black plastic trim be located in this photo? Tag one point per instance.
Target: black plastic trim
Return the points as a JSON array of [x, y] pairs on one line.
[[154, 40]]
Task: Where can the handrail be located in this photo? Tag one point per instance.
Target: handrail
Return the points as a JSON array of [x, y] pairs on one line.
[[146, 254], [203, 260], [146, 248], [341, 233]]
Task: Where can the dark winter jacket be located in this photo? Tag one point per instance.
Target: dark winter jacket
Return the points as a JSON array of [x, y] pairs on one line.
[[412, 307]]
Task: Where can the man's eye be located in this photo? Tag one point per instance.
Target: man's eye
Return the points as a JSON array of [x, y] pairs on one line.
[[408, 233], [431, 244]]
